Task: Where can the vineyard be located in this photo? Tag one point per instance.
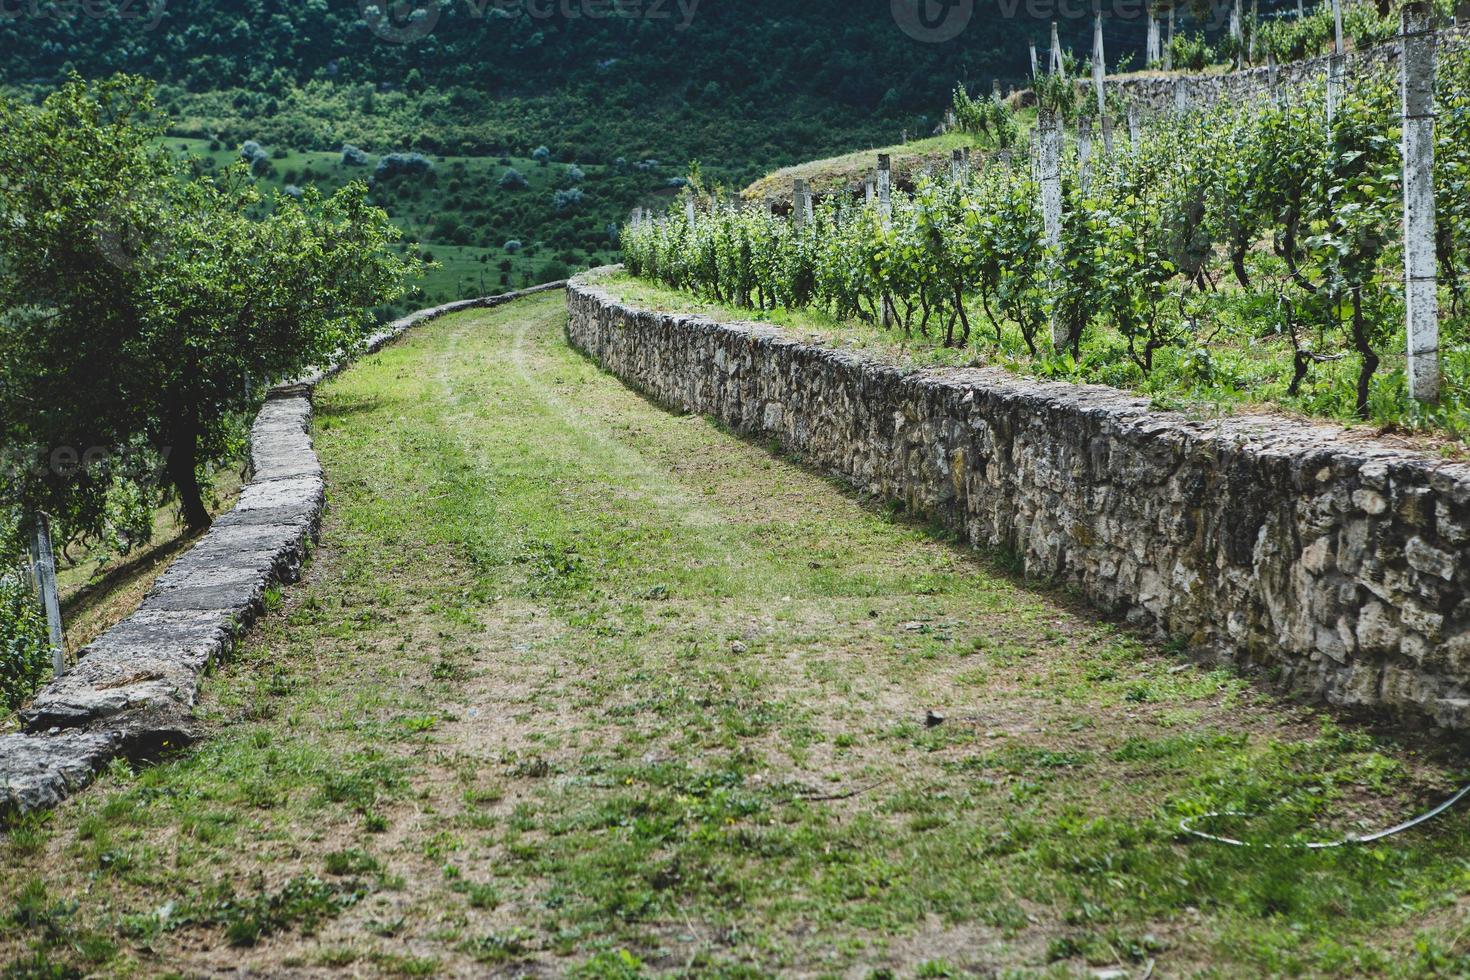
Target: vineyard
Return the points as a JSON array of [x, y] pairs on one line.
[[1243, 253]]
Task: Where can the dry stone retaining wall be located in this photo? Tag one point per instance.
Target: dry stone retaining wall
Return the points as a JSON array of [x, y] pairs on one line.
[[132, 691], [1340, 564], [1156, 93]]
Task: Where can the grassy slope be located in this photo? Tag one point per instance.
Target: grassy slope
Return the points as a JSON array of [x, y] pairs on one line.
[[574, 683]]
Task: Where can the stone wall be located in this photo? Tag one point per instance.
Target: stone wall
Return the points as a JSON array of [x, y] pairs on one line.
[[1339, 564], [132, 691], [1156, 93]]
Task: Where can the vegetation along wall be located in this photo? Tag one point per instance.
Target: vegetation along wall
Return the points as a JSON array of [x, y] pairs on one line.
[[1339, 565]]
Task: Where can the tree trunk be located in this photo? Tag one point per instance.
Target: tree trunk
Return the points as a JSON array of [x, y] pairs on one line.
[[183, 474]]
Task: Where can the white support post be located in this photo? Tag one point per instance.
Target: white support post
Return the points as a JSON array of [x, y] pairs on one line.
[[1181, 96], [1099, 62], [1135, 129], [1035, 63], [1057, 65], [689, 213], [43, 560], [1336, 71], [1337, 44], [885, 188], [1107, 136], [1255, 24], [1152, 55], [885, 214], [1421, 284], [1084, 155], [1236, 33], [870, 189], [1049, 164], [1169, 44], [801, 203]]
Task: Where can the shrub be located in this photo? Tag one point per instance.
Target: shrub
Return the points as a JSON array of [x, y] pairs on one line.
[[575, 175], [353, 157], [513, 180], [567, 200], [25, 656], [395, 164], [513, 246], [541, 155]]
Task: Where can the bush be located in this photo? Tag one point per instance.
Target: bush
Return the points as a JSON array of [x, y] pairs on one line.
[[352, 156], [25, 656], [514, 180], [395, 164], [575, 175], [567, 200], [541, 155], [513, 246]]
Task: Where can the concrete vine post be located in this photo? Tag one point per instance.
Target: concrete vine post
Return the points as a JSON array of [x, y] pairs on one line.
[[1255, 22], [870, 189], [1099, 63], [1169, 44], [885, 214], [1049, 164], [1084, 155], [689, 213], [1135, 130], [1421, 284], [1035, 64], [1336, 70], [1237, 34], [1273, 77], [1181, 97], [801, 203], [43, 561], [1337, 46], [1107, 136], [1152, 54], [1056, 51]]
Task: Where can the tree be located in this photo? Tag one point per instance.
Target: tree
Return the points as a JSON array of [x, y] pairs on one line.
[[145, 310]]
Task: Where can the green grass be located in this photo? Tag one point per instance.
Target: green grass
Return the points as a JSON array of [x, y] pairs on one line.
[[577, 686]]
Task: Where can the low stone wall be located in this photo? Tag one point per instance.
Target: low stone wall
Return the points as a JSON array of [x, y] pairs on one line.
[[1158, 93], [132, 691], [1340, 564]]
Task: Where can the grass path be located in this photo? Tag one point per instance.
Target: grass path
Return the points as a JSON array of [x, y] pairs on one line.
[[574, 685]]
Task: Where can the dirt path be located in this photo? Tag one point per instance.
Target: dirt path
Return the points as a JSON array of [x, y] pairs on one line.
[[574, 685]]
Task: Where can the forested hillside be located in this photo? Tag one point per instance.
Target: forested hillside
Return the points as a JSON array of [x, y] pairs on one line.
[[630, 100]]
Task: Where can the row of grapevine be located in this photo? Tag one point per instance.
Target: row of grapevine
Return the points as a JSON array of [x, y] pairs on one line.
[[1258, 226]]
